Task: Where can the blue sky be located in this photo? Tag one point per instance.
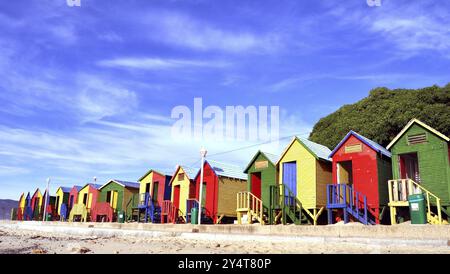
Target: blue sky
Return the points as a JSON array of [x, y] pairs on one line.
[[88, 91]]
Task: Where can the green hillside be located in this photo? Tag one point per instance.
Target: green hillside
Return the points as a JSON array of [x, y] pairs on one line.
[[382, 115]]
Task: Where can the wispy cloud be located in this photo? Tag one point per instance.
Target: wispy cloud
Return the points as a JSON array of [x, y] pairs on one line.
[[159, 63], [182, 30]]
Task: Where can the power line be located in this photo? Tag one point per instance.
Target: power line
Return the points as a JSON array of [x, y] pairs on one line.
[[255, 145]]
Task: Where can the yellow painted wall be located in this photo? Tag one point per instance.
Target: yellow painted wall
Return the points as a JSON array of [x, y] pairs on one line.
[[22, 201], [60, 194], [306, 173], [39, 196], [184, 190], [147, 179], [324, 177], [81, 193]]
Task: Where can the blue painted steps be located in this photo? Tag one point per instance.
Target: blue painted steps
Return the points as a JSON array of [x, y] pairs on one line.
[[354, 203], [152, 212]]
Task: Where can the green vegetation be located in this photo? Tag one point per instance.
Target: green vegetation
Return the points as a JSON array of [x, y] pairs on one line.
[[382, 115]]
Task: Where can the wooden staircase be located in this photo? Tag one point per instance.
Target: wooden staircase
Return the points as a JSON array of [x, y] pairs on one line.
[[284, 203], [353, 203], [150, 209], [249, 204], [169, 212], [400, 189]]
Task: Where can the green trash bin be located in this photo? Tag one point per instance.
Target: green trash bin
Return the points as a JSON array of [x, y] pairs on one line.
[[49, 217], [194, 216], [417, 209], [121, 217]]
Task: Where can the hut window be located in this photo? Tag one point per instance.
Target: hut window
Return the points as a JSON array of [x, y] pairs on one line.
[[261, 164], [85, 199], [353, 148], [181, 177], [108, 196], [417, 139]]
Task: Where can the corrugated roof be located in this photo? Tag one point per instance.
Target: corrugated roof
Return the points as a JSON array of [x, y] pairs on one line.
[[271, 157], [319, 150], [65, 189], [96, 186], [374, 145], [226, 170], [77, 187], [122, 183], [190, 172], [128, 184]]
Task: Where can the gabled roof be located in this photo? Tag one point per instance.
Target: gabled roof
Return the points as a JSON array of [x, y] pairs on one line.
[[122, 183], [96, 186], [317, 150], [64, 189], [420, 123], [37, 190], [150, 171], [78, 188], [271, 157], [189, 171], [373, 145], [225, 170]]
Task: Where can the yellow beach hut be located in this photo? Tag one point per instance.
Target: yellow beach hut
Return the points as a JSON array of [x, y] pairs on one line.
[[304, 172], [183, 188], [62, 197]]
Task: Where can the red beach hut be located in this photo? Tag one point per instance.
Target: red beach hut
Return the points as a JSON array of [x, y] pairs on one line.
[[361, 168]]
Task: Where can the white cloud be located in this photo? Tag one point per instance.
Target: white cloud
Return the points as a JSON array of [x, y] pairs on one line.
[[98, 99], [185, 31], [159, 63]]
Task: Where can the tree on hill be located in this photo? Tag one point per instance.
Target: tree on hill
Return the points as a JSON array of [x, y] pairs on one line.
[[383, 114]]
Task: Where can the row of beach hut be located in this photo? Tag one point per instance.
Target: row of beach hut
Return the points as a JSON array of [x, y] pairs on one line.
[[359, 180]]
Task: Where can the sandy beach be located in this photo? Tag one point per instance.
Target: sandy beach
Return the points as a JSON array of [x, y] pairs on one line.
[[14, 240]]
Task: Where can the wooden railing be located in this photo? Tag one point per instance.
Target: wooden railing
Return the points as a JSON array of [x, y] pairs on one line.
[[247, 202], [169, 210], [400, 189]]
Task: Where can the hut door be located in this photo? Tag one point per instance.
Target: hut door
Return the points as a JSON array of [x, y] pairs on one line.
[[176, 196], [155, 191], [57, 203], [345, 172], [90, 200], [409, 167], [256, 184], [71, 201], [290, 176]]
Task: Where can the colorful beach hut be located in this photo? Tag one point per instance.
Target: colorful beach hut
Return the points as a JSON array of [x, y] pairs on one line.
[[62, 198], [221, 184], [20, 207], [420, 165], [121, 196], [28, 211], [36, 205], [183, 189], [361, 168], [51, 205], [73, 197], [154, 189], [87, 197], [304, 172], [261, 176]]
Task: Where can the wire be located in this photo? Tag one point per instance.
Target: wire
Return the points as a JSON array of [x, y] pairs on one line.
[[255, 145]]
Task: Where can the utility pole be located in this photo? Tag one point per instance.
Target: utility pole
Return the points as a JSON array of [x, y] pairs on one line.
[[203, 153], [47, 198]]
